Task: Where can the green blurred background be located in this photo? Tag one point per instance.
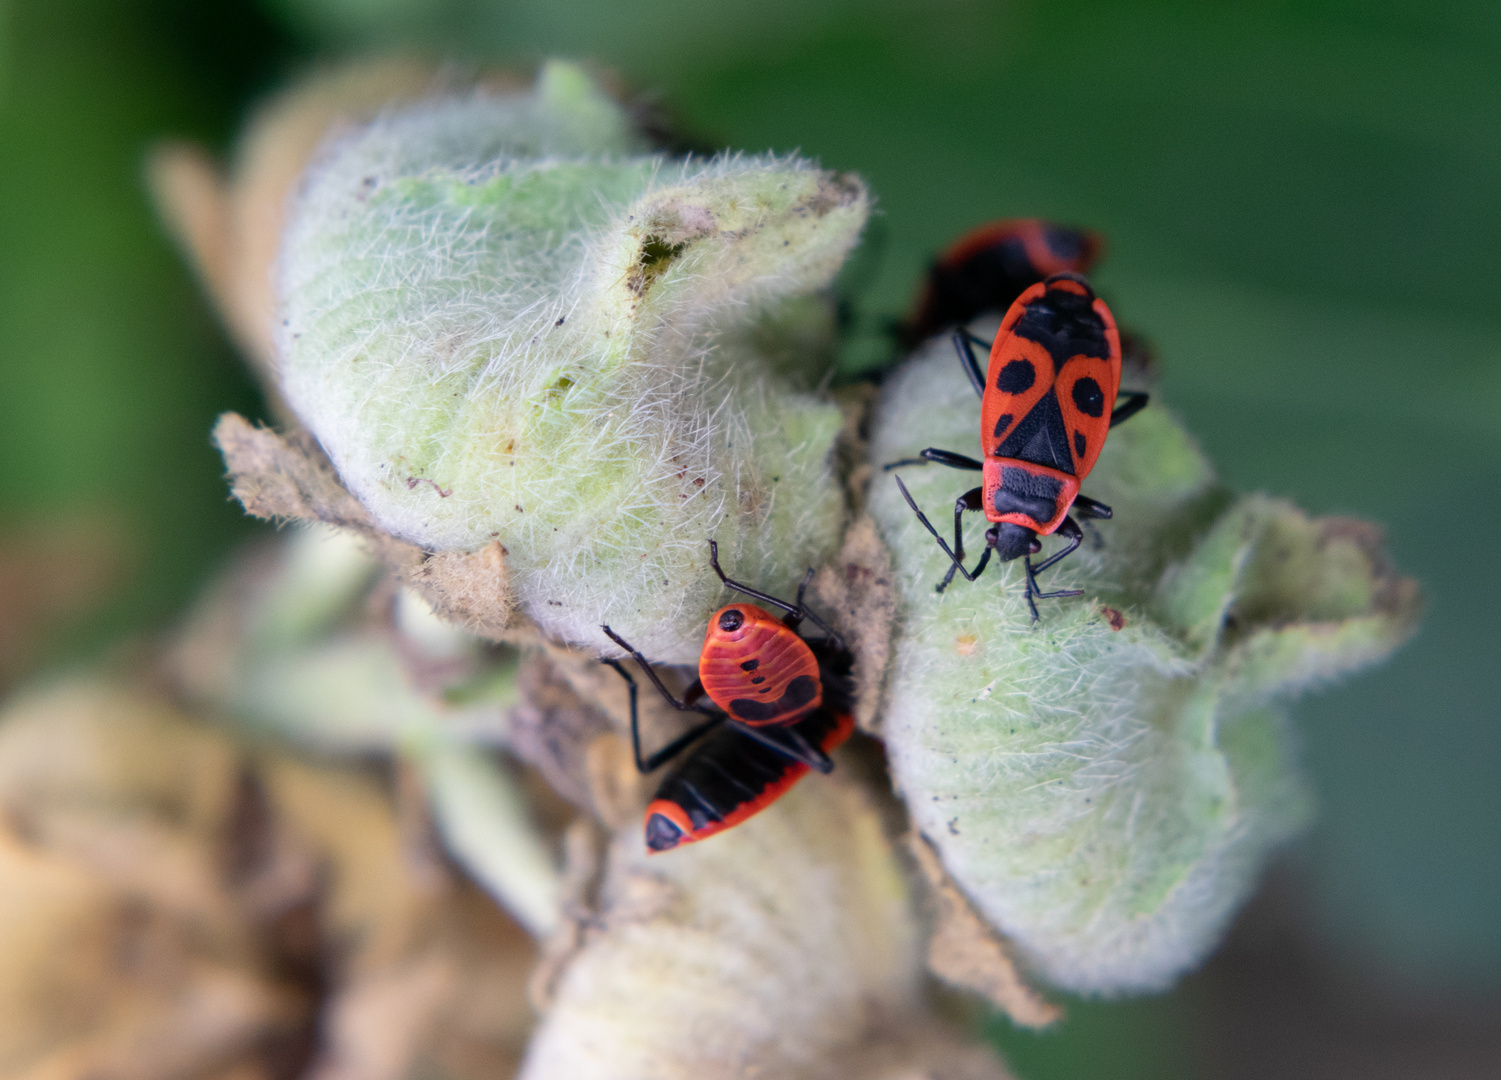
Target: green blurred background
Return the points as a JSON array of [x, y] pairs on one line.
[[1303, 208]]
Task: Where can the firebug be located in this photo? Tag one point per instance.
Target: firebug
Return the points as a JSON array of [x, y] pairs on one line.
[[1048, 400], [780, 703], [988, 267]]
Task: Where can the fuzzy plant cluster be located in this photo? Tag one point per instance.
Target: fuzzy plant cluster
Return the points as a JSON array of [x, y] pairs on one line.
[[308, 642], [1104, 784], [531, 367], [504, 319]]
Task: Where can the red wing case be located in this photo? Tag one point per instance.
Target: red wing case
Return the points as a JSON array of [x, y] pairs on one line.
[[730, 777]]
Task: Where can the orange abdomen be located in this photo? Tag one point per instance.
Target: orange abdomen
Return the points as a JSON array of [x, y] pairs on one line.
[[756, 669]]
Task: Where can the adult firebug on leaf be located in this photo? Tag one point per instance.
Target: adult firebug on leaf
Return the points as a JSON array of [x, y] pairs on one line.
[[1048, 400]]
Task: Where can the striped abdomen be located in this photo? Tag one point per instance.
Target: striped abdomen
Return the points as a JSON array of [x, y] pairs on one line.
[[730, 777]]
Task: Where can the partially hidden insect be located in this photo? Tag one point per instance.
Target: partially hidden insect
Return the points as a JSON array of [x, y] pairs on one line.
[[988, 267], [1047, 402], [778, 704]]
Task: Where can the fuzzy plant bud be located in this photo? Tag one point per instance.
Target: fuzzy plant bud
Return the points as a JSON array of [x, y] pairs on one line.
[[510, 324], [1104, 784], [783, 948]]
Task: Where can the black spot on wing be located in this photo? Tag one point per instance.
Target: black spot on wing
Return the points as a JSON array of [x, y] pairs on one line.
[[1089, 399], [1002, 422], [1016, 377], [799, 692], [1079, 444], [751, 664], [1041, 437]]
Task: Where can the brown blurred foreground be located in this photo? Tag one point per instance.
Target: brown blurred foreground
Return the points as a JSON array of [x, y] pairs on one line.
[[174, 904]]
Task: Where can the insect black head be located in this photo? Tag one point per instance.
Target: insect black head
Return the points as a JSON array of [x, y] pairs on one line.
[[1012, 541], [731, 619]]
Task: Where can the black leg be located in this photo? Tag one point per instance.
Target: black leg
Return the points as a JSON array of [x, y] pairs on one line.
[[971, 366], [958, 565], [646, 765], [799, 612], [1086, 507], [937, 457], [795, 617], [680, 706], [1136, 400], [1071, 532], [973, 499], [1075, 535], [786, 739]]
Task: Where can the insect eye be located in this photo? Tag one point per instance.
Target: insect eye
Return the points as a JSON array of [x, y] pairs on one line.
[[731, 619]]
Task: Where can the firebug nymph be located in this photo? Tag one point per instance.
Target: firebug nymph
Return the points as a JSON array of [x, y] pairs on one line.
[[780, 702]]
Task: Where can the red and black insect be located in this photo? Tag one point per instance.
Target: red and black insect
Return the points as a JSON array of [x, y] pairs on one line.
[[780, 704], [1047, 403], [987, 268]]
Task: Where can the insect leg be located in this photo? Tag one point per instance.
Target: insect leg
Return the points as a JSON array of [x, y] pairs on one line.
[[938, 457], [795, 614], [974, 499], [681, 706], [959, 566], [1136, 401], [646, 765], [1086, 507], [789, 741], [1070, 529], [971, 366]]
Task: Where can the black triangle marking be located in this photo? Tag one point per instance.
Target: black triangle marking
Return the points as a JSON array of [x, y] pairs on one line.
[[1041, 438]]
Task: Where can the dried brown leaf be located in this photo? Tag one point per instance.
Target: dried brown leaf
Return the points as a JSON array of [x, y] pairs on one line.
[[584, 846], [553, 728], [282, 477], [965, 952], [859, 596], [172, 906]]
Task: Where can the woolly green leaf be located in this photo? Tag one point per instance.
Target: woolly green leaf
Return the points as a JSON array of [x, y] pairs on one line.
[[504, 322], [1104, 784]]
